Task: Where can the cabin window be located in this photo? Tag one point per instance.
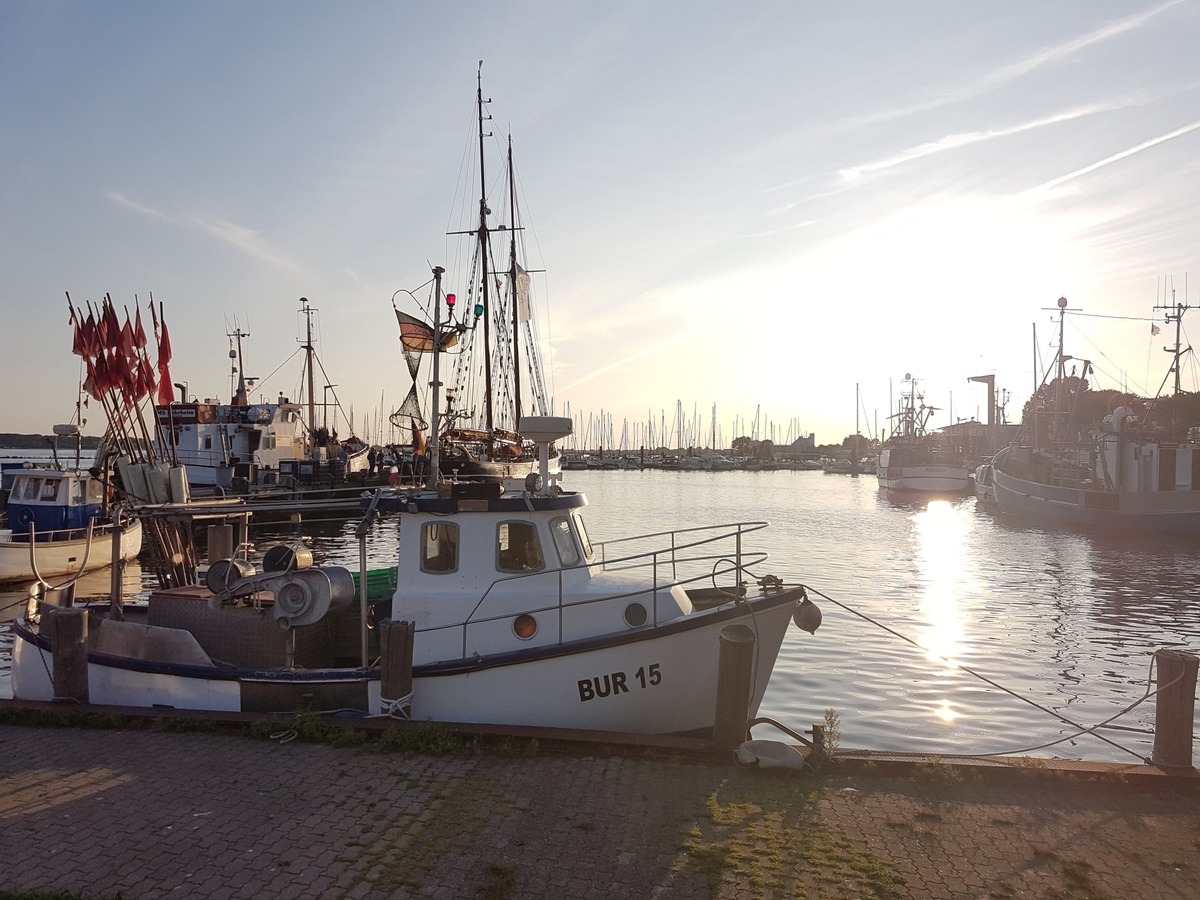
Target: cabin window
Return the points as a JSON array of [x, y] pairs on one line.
[[77, 492], [208, 442], [588, 553], [50, 490], [33, 487], [564, 542], [95, 490], [517, 547], [439, 547]]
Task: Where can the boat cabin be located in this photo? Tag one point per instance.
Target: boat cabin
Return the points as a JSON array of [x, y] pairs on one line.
[[479, 576], [53, 500]]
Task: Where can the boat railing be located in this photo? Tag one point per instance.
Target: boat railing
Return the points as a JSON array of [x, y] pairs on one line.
[[54, 535], [676, 542], [668, 566]]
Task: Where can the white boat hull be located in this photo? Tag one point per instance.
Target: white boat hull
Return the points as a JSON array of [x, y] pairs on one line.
[[657, 681], [70, 557], [926, 479]]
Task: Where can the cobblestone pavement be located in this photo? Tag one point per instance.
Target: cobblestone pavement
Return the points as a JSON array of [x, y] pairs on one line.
[[151, 814]]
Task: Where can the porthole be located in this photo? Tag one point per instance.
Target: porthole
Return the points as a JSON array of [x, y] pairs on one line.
[[635, 615], [524, 627]]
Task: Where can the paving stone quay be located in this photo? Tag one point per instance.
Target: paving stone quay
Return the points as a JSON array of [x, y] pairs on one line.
[[149, 814]]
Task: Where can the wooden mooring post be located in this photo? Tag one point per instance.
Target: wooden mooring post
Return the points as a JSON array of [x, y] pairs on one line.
[[734, 684], [68, 646], [1175, 708], [396, 662]]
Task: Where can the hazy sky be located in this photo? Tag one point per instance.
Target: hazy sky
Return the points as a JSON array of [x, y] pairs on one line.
[[754, 205]]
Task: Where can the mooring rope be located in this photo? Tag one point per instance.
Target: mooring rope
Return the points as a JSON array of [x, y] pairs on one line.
[[1080, 729]]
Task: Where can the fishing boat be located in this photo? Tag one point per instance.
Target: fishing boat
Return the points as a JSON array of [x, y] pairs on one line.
[[60, 523], [497, 375], [984, 483], [515, 616], [1126, 471], [243, 444], [915, 460]]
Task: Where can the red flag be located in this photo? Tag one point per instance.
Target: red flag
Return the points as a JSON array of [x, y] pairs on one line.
[[146, 381], [78, 346], [101, 379], [112, 326], [91, 336], [166, 391], [128, 342], [89, 383], [139, 335]]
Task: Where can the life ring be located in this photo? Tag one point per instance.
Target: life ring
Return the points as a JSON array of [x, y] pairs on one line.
[[24, 517]]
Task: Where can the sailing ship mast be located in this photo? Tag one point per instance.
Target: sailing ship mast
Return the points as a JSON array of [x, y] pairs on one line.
[[514, 289], [482, 245]]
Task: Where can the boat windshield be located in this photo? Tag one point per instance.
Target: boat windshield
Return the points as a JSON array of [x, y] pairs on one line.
[[564, 542], [517, 547], [439, 547], [588, 553]]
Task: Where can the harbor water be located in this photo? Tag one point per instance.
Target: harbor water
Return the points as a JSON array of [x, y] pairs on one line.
[[945, 632]]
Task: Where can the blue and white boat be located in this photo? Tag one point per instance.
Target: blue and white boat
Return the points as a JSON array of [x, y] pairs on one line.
[[57, 526]]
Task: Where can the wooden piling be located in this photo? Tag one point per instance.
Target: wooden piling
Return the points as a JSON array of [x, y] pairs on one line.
[[116, 578], [396, 662], [734, 685], [68, 645], [1175, 708]]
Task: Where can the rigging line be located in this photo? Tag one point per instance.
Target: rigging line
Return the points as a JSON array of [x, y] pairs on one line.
[[970, 671], [263, 381], [1107, 358], [1104, 316]]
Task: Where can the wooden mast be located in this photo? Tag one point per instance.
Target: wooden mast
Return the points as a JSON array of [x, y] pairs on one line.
[[483, 260], [515, 289]]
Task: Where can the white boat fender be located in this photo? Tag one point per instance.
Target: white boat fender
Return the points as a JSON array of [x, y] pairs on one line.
[[771, 755]]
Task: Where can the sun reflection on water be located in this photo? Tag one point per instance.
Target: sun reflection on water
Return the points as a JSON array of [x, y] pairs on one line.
[[945, 575]]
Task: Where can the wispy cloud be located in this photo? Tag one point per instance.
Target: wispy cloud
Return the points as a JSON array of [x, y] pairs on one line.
[[1046, 56], [246, 240], [1145, 145], [656, 347], [966, 138]]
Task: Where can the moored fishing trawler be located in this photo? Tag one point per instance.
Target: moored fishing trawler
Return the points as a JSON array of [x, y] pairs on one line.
[[244, 444], [517, 619], [913, 460], [1117, 470]]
